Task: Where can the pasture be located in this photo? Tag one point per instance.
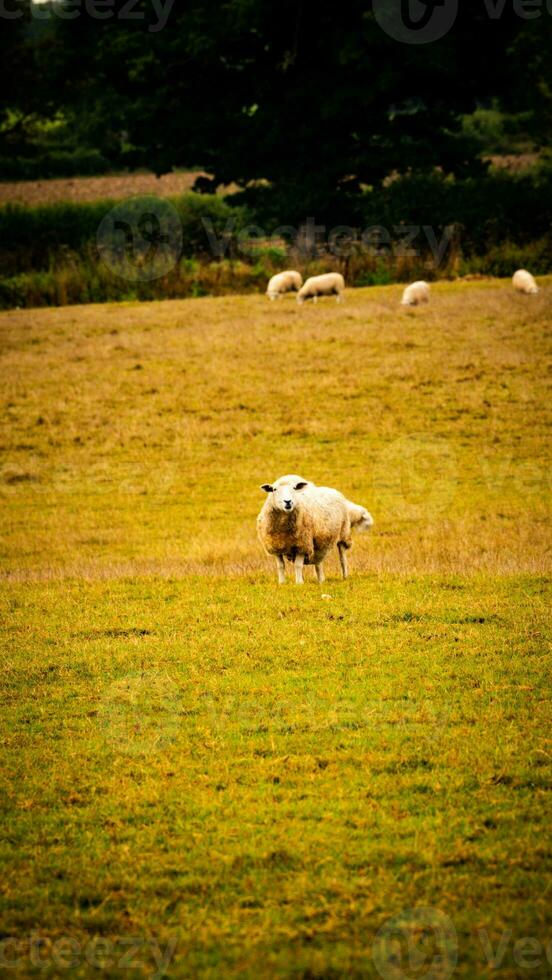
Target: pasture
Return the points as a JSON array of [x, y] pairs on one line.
[[205, 774], [110, 186]]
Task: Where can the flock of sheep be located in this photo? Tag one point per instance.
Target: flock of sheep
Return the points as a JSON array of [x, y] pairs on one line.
[[300, 521], [333, 284]]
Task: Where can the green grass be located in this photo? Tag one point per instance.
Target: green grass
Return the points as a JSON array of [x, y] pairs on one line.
[[250, 780]]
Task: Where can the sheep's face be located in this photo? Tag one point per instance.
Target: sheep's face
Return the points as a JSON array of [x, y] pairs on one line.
[[285, 492]]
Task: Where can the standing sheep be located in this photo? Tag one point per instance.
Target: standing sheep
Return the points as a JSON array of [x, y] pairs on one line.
[[524, 282], [283, 282], [302, 522], [330, 284], [416, 293]]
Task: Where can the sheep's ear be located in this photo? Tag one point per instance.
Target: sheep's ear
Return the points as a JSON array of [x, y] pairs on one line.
[[267, 487], [299, 486]]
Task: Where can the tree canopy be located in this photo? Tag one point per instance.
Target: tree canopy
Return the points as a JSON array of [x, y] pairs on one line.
[[303, 94]]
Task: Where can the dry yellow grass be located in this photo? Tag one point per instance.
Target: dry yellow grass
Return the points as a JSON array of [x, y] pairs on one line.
[[135, 436], [112, 186]]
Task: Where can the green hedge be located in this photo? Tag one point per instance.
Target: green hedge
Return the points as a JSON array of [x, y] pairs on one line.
[[54, 163], [488, 211], [34, 238]]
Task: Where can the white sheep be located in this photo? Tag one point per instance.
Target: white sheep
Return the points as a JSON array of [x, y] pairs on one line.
[[416, 293], [330, 284], [524, 282], [284, 282], [302, 522]]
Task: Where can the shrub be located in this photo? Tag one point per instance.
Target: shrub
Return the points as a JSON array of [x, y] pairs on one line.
[[35, 237], [486, 211], [54, 163], [502, 260]]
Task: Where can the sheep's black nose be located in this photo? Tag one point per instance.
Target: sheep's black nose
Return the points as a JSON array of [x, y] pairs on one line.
[[287, 503]]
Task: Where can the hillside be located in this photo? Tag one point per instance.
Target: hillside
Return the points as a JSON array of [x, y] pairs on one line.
[[245, 780]]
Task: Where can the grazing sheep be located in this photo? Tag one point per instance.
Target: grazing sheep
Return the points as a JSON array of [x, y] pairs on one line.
[[416, 293], [332, 283], [524, 282], [301, 522], [283, 282]]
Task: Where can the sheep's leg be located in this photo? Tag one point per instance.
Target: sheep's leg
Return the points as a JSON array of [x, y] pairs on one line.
[[299, 562], [281, 569], [315, 298], [320, 573], [339, 298], [343, 559]]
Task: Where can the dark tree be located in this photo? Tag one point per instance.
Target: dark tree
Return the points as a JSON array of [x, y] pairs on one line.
[[314, 97]]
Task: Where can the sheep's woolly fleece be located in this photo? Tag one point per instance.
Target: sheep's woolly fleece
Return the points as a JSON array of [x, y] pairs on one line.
[[416, 293], [284, 282], [524, 282], [320, 519], [330, 284]]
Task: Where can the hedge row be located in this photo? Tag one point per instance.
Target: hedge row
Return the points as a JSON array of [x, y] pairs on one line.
[[484, 214], [486, 211], [54, 163], [35, 237]]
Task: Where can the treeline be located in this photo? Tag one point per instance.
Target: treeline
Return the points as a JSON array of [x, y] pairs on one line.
[[301, 95], [147, 248]]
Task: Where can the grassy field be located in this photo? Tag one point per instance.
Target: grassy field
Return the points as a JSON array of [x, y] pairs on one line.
[[207, 775], [112, 186]]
